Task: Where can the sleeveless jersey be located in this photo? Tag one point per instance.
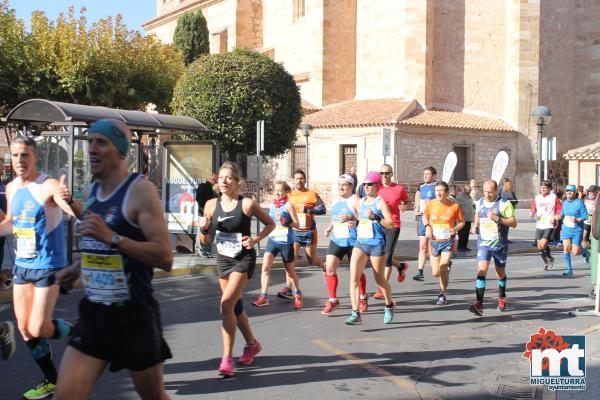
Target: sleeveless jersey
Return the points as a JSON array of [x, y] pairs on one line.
[[108, 276], [37, 227], [427, 191], [589, 205], [343, 233], [545, 211], [370, 232], [571, 212], [493, 234], [281, 233], [302, 200], [229, 228]]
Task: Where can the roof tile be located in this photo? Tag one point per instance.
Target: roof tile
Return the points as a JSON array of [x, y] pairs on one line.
[[459, 120], [589, 152]]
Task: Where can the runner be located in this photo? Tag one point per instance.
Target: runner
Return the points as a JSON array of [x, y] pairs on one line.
[[373, 216], [396, 197], [34, 216], [573, 214], [7, 340], [307, 203], [344, 215], [424, 195], [442, 219], [123, 236], [546, 208], [589, 202], [493, 217], [281, 240], [228, 222]]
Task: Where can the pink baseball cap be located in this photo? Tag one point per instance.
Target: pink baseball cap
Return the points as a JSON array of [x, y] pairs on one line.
[[373, 177]]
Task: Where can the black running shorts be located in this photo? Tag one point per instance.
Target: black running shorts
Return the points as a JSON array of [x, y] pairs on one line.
[[545, 234], [338, 251], [127, 336]]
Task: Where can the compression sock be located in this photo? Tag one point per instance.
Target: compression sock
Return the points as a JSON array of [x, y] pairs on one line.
[[567, 257], [480, 288], [362, 286], [543, 255], [61, 329], [332, 283], [42, 354], [502, 287]]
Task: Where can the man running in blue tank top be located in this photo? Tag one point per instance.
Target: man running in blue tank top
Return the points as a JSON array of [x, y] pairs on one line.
[[573, 214], [123, 237], [34, 216], [493, 218], [425, 194]]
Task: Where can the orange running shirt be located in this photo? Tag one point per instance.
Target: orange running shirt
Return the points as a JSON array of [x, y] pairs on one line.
[[302, 200], [442, 217]]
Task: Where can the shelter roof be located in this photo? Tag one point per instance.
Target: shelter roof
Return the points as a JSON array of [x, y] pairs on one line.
[[46, 111], [589, 152]]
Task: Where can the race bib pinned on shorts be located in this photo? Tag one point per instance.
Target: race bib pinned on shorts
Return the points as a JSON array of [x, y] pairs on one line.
[[25, 242], [228, 244], [103, 278]]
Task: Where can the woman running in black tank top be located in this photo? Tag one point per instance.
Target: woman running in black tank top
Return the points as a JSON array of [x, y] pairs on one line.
[[227, 222]]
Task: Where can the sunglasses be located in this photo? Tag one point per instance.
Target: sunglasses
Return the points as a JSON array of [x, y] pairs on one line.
[[385, 173], [369, 183]]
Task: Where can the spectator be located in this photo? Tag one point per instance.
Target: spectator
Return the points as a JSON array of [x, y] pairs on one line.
[[475, 194], [352, 173], [204, 193], [580, 193], [508, 194], [465, 202]]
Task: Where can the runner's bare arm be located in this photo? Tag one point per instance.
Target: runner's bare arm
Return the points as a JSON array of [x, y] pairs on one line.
[[56, 194], [204, 231], [475, 224], [292, 211], [66, 277], [6, 222], [417, 209], [251, 207]]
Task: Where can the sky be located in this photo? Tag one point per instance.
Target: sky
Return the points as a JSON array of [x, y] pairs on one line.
[[134, 12]]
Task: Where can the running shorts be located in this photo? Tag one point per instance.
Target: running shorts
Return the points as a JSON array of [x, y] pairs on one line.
[[41, 278], [339, 252], [371, 250], [545, 234], [500, 255], [437, 248], [575, 235], [244, 262], [286, 250], [127, 335], [305, 238]]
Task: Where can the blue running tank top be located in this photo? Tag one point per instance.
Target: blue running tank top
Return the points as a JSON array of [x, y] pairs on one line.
[[427, 192], [38, 228], [343, 233], [491, 234], [108, 276], [370, 232], [281, 233]]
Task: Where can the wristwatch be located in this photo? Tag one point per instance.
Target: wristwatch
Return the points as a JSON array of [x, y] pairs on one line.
[[116, 240]]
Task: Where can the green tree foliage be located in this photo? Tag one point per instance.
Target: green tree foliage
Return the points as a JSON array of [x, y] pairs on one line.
[[191, 36], [100, 64], [230, 92]]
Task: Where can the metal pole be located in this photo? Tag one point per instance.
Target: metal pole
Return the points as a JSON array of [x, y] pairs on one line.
[[307, 166], [70, 184], [258, 135], [539, 166]]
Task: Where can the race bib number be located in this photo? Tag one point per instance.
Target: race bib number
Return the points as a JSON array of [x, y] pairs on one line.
[[488, 230], [365, 229], [25, 242], [546, 220], [280, 233], [341, 230], [301, 220], [569, 221], [103, 278], [441, 231], [228, 244]]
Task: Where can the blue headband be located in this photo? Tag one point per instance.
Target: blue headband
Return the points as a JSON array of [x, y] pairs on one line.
[[114, 130]]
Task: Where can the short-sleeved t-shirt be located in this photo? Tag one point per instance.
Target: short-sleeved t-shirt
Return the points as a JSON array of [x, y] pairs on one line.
[[393, 196], [442, 217]]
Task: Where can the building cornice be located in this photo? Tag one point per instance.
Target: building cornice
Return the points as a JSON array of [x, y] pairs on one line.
[[174, 14]]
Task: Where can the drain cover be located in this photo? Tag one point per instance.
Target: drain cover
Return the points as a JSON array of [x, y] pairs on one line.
[[516, 387]]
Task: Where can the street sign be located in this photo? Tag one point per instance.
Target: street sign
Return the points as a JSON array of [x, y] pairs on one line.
[[387, 141], [260, 137]]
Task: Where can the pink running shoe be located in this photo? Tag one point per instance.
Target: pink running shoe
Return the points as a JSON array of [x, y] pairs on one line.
[[250, 351], [226, 368]]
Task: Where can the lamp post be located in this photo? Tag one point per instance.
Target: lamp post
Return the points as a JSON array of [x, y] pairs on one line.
[[542, 117], [306, 130]]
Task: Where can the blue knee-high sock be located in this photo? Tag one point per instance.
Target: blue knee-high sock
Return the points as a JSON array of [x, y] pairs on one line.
[[41, 353], [61, 329], [480, 288], [502, 287], [567, 257]]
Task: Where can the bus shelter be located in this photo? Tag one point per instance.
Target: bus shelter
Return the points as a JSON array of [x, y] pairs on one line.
[[59, 130]]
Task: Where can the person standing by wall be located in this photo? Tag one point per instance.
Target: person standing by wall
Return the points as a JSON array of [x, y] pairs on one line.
[[205, 192], [465, 202], [508, 194]]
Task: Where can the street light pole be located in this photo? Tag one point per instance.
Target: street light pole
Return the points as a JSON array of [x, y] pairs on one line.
[[306, 129], [542, 115]]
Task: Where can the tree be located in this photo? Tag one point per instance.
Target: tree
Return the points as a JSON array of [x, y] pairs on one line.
[[105, 64], [191, 36], [230, 92]]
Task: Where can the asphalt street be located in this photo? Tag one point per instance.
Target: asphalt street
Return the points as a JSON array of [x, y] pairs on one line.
[[428, 352]]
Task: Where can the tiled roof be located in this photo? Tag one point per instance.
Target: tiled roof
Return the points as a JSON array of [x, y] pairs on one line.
[[309, 106], [459, 120], [589, 152], [357, 113]]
